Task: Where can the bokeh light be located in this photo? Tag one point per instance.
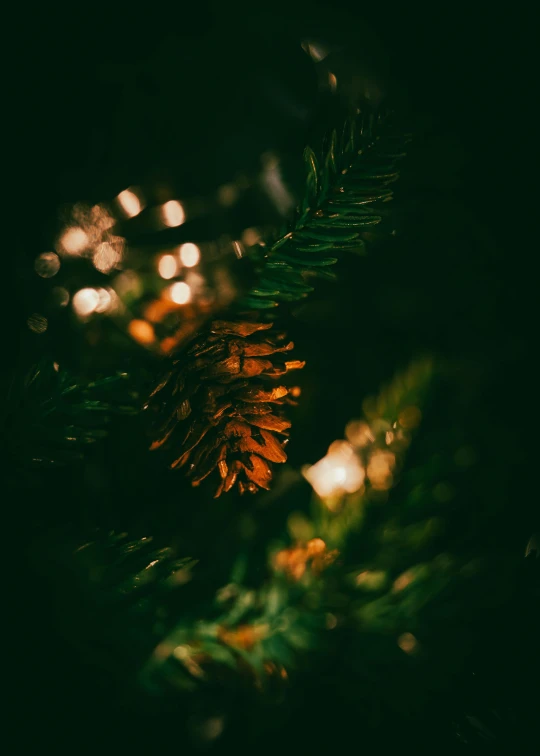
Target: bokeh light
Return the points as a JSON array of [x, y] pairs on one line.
[[172, 213], [190, 254], [85, 302], [47, 264], [167, 266], [141, 331], [104, 300], [250, 237], [407, 642], [180, 293], [340, 471], [74, 240], [315, 50], [106, 257], [359, 433], [37, 323], [130, 203], [332, 81], [379, 469]]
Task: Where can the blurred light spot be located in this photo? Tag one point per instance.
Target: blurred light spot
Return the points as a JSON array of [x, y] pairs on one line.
[[37, 323], [227, 195], [250, 237], [130, 203], [359, 433], [104, 300], [410, 418], [47, 264], [181, 652], [407, 642], [403, 580], [85, 302], [98, 218], [56, 366], [443, 492], [190, 254], [340, 471], [211, 728], [465, 457], [379, 469], [295, 391], [533, 546], [331, 621], [315, 50], [371, 580], [141, 331], [173, 213], [60, 296], [389, 437], [167, 266], [180, 293], [74, 241], [332, 80], [106, 257], [274, 184]]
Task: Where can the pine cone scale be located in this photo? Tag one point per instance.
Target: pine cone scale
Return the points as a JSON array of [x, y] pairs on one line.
[[236, 420]]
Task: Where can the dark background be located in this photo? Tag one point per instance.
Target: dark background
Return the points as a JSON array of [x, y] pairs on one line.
[[102, 99]]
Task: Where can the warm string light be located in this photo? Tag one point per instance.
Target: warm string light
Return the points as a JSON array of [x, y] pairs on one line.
[[130, 203], [85, 302], [142, 331], [167, 266], [190, 254], [180, 292], [88, 301], [172, 213], [74, 241], [89, 234], [368, 454], [339, 472]]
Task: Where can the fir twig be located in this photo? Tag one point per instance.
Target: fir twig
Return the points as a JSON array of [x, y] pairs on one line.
[[354, 173]]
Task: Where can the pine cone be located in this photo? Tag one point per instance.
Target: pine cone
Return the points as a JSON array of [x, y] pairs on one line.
[[221, 417]]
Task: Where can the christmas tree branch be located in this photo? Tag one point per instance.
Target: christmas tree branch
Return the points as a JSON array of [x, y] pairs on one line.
[[353, 173], [260, 630]]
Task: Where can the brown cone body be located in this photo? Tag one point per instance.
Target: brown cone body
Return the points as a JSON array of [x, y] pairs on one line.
[[221, 405]]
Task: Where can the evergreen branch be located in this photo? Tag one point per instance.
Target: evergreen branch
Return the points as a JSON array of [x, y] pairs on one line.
[[57, 416], [353, 173], [262, 630]]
